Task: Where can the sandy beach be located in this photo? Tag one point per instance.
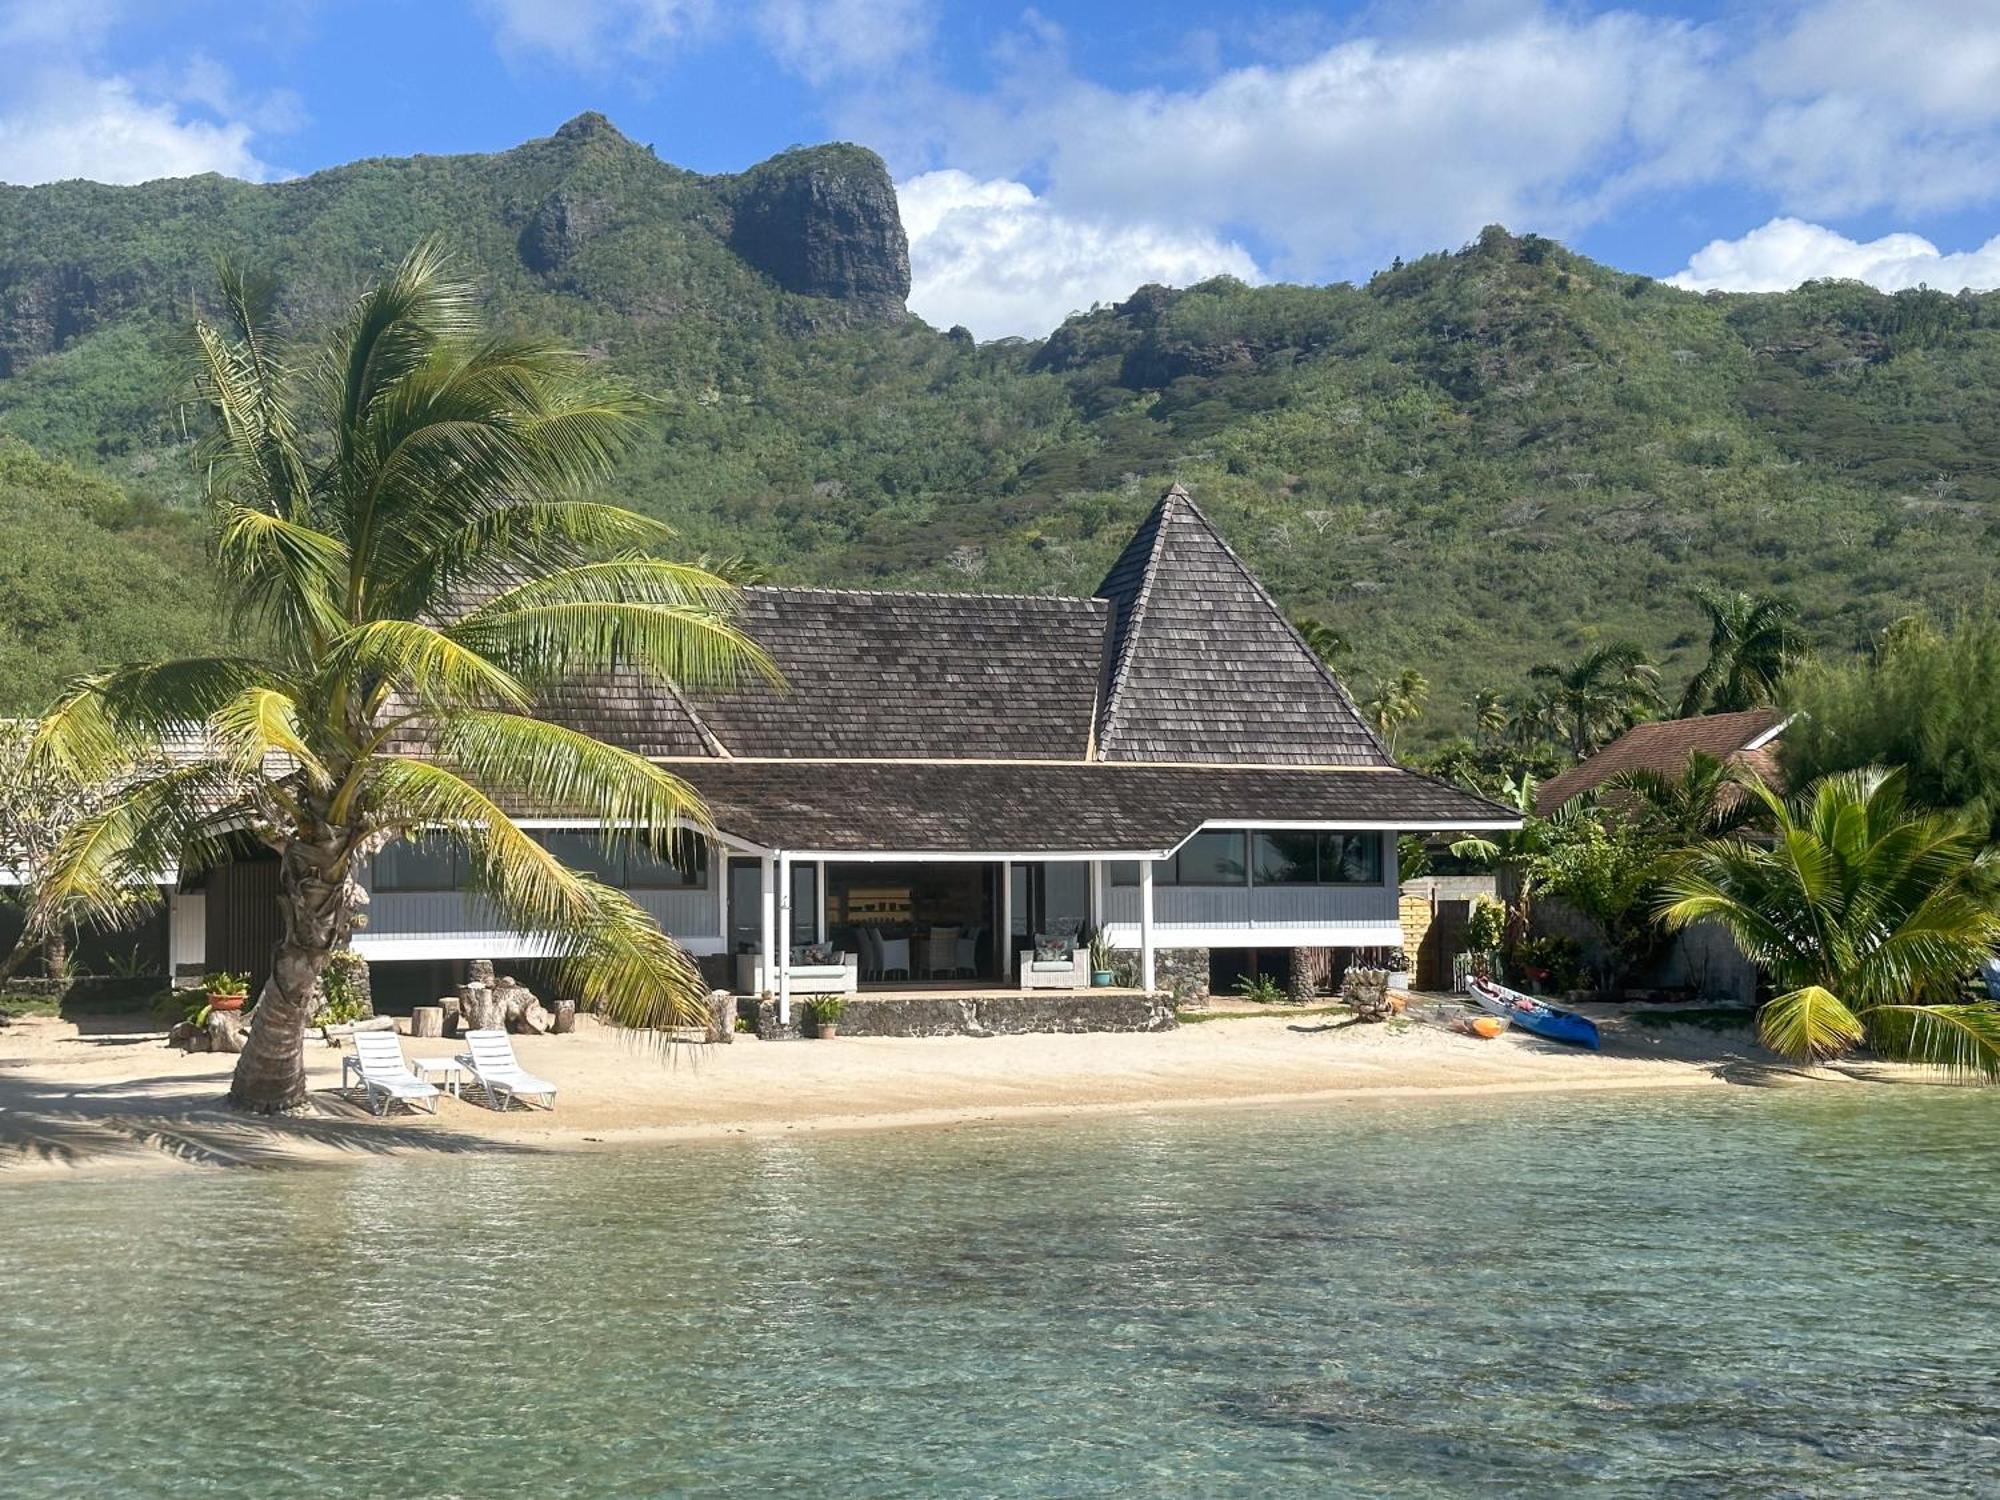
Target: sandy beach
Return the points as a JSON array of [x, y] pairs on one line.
[[104, 1095]]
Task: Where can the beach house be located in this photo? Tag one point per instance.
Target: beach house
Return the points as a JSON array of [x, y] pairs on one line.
[[950, 789]]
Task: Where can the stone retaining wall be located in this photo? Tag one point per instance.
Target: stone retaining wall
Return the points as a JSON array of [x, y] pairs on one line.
[[976, 1015]]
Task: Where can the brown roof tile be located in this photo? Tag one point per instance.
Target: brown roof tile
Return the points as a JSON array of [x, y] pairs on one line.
[[1665, 746]]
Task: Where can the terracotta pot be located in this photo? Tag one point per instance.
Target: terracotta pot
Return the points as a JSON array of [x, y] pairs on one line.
[[226, 1002], [827, 1030]]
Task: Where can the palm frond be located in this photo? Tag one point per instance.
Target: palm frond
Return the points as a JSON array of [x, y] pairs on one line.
[[1962, 1039], [1808, 1024]]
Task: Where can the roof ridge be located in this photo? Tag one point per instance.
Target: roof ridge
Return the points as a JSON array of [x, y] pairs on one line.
[[1157, 518], [954, 594], [1291, 630]]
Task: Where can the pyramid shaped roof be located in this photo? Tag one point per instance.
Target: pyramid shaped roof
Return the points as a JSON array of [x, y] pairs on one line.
[[1204, 667]]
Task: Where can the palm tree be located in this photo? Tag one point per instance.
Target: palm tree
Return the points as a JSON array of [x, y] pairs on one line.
[[1397, 701], [1595, 698], [1328, 644], [1704, 801], [1866, 914], [1489, 714], [1751, 643], [402, 530]]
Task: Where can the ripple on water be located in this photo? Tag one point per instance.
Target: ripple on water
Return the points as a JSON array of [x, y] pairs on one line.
[[1737, 1293]]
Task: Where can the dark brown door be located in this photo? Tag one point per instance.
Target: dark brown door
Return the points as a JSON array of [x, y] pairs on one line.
[[1443, 942], [242, 918]]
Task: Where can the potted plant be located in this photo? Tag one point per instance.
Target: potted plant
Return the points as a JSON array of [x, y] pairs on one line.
[[826, 1011], [1100, 959], [1397, 962], [225, 991]]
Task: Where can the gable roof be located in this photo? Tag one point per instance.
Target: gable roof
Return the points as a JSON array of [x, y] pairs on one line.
[[1204, 666], [1743, 739]]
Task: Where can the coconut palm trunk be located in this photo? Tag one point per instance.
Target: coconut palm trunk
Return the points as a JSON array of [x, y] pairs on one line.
[[314, 911], [404, 531]]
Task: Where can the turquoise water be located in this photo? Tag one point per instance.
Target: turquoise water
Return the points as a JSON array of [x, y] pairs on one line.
[[1736, 1293]]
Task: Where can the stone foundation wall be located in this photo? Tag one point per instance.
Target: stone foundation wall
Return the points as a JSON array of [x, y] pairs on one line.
[[976, 1015], [1182, 973]]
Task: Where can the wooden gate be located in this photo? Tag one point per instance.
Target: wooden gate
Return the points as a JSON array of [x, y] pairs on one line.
[[1444, 941]]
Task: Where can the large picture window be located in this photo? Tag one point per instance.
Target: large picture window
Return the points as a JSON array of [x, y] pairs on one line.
[[633, 867], [419, 864], [1234, 857]]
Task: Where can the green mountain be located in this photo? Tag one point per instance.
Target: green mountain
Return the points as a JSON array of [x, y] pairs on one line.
[[1473, 462]]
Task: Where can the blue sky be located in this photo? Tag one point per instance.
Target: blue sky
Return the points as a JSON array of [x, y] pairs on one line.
[[1052, 156]]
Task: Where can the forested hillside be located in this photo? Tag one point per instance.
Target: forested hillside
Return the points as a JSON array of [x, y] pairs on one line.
[[1475, 461]]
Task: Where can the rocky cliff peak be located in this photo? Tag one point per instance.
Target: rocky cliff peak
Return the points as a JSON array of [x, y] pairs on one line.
[[822, 221]]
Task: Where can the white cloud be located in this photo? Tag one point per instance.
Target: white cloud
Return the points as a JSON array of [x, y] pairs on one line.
[[1785, 252], [103, 130], [593, 33], [63, 114], [825, 39], [993, 256]]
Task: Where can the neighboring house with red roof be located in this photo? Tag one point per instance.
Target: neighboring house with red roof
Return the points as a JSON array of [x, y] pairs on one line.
[[1747, 739], [1704, 958]]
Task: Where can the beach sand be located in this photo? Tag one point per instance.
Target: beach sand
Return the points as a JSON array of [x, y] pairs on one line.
[[101, 1095]]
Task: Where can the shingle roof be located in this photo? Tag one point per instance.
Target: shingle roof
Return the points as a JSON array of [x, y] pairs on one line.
[[897, 675], [1014, 808], [1666, 746], [1204, 666]]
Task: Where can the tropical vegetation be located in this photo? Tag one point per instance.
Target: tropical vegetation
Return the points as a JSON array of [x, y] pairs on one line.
[[1470, 463], [1868, 915], [408, 552]]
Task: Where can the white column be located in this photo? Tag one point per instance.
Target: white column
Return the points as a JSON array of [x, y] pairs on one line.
[[767, 933], [1096, 894], [1146, 925], [784, 948], [1006, 920], [718, 871], [819, 901]]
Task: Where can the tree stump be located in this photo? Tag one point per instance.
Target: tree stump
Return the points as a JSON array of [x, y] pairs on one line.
[[480, 971], [1367, 990], [480, 1009], [427, 1020], [225, 1031], [565, 1021], [533, 1018], [449, 1005], [721, 1016]]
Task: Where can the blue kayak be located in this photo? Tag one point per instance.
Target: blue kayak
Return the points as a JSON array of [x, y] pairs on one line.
[[1533, 1015]]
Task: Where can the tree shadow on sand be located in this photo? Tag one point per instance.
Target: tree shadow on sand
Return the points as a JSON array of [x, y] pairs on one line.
[[46, 1123]]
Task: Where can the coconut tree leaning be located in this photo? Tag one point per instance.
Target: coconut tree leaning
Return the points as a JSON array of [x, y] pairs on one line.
[[1867, 915], [1595, 698], [403, 528], [1752, 641]]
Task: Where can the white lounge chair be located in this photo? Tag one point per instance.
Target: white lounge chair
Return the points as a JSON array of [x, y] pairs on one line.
[[378, 1065], [491, 1061]]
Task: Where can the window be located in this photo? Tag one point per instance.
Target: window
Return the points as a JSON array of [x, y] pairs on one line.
[[1285, 858], [632, 866], [585, 853], [419, 864], [1223, 857], [1350, 859], [1212, 858], [686, 870]]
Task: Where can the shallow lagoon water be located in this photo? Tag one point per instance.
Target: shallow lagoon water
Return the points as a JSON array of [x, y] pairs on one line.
[[1718, 1293]]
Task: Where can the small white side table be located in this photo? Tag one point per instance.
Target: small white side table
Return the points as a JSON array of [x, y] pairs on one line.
[[431, 1069]]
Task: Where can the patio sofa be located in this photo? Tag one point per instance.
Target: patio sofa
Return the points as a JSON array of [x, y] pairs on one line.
[[832, 974], [1041, 969]]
